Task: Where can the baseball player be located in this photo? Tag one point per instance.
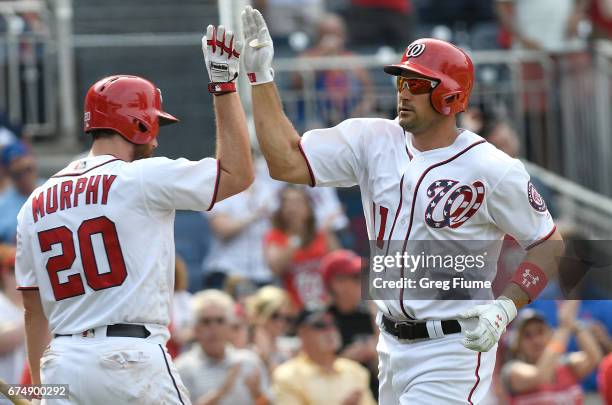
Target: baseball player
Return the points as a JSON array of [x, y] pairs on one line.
[[421, 178], [95, 248]]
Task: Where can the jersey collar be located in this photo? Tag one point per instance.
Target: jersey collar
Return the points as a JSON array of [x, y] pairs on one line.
[[463, 140]]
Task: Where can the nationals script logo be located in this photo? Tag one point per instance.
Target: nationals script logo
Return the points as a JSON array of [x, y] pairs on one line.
[[458, 204]]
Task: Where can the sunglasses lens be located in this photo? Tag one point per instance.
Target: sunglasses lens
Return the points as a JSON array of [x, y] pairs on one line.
[[416, 86], [211, 321], [322, 325]]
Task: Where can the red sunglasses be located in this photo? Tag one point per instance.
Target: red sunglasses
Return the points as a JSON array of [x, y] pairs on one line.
[[415, 85]]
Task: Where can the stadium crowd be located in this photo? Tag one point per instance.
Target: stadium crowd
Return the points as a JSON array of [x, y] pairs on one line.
[[268, 301]]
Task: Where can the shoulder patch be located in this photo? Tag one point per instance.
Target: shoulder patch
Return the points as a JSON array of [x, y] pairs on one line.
[[535, 199]]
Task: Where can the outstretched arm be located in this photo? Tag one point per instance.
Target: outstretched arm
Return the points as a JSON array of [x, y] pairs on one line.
[[233, 148], [221, 55], [278, 140]]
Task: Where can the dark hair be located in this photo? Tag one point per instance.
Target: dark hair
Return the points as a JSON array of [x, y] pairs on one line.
[[103, 133], [279, 223]]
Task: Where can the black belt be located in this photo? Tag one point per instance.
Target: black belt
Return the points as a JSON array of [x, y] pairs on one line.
[[122, 330], [409, 330]]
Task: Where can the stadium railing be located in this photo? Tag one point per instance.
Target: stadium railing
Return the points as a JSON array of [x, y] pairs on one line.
[[27, 68]]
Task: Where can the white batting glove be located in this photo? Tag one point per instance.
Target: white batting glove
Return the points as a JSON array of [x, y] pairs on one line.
[[221, 54], [258, 48], [492, 321]]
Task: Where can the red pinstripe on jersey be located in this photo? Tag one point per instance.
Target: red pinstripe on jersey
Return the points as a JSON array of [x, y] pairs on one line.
[[469, 398]]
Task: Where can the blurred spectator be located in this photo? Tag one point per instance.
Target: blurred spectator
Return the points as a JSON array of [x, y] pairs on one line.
[[542, 25], [341, 94], [294, 247], [458, 15], [271, 315], [181, 320], [380, 23], [12, 331], [543, 372], [21, 167], [239, 288], [596, 315], [317, 376], [287, 17], [604, 379], [7, 137], [213, 371], [342, 275], [492, 126], [537, 24], [598, 12], [239, 225], [239, 338], [192, 239]]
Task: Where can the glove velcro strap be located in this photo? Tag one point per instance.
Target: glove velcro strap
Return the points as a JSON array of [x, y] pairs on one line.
[[530, 278], [222, 88]]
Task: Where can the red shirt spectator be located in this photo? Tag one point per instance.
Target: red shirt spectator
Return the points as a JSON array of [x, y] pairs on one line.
[[400, 6], [303, 280], [604, 380], [294, 247]]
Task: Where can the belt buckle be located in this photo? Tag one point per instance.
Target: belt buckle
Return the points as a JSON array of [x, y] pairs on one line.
[[405, 330]]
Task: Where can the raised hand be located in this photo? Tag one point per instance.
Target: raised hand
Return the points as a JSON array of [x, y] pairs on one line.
[[258, 48], [221, 56]]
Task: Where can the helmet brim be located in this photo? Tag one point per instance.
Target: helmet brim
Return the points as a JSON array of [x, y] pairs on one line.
[[166, 119], [401, 68]]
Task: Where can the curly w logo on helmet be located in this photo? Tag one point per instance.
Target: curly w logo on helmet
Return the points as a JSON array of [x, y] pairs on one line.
[[415, 50]]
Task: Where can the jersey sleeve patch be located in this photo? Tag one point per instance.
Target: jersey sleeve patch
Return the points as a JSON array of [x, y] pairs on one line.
[[535, 199]]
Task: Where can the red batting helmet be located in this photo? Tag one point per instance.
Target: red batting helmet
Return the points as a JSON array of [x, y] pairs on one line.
[[445, 63], [129, 105]]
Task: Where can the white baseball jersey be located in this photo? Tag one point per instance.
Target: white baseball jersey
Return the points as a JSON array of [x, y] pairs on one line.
[[467, 191], [97, 239]]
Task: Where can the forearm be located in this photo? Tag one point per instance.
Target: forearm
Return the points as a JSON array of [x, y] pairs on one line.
[[279, 258], [233, 148], [278, 140], [549, 360], [588, 344], [37, 338], [546, 257]]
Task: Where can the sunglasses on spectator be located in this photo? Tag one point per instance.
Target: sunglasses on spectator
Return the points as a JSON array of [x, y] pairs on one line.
[[280, 317], [322, 325], [17, 174], [209, 321], [416, 85]]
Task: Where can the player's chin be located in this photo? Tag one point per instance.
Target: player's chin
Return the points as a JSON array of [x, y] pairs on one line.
[[407, 123]]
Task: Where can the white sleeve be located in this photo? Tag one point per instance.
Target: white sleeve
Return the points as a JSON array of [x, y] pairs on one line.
[[334, 155], [24, 266], [518, 209], [180, 184]]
